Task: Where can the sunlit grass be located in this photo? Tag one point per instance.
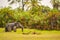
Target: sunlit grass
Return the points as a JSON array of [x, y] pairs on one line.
[[29, 35]]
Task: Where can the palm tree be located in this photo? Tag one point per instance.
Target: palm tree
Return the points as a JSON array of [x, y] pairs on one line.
[[25, 2], [32, 3], [14, 1], [22, 4], [56, 3]]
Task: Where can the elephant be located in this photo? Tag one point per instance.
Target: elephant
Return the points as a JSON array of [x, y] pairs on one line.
[[13, 26]]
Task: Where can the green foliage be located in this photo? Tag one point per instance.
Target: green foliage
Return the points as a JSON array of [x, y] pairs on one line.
[[56, 4], [38, 17]]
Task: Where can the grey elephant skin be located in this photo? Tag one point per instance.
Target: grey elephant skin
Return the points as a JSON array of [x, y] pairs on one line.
[[13, 26]]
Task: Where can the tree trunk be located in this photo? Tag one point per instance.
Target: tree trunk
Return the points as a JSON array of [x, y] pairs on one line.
[[22, 4]]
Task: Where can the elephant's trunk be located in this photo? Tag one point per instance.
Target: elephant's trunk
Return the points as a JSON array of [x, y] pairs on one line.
[[22, 29]]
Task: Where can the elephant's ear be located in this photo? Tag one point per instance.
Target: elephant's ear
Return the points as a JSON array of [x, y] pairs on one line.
[[15, 23]]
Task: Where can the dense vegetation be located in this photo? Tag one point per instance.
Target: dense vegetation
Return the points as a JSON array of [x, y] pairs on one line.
[[39, 17]]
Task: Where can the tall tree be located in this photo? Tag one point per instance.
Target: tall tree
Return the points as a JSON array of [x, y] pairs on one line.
[[32, 3], [14, 1], [25, 2], [56, 3], [22, 4]]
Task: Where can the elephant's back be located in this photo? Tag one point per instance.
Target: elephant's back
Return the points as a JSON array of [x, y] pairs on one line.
[[10, 24]]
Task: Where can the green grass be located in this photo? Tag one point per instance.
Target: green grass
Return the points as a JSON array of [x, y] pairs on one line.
[[29, 35]]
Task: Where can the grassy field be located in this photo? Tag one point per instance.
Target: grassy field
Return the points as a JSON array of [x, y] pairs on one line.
[[29, 34]]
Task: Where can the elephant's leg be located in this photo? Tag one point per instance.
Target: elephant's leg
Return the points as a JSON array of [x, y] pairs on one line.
[[6, 30], [22, 29], [14, 28], [9, 29]]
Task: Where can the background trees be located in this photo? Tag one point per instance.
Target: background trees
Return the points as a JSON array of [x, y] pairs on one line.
[[56, 4], [38, 16]]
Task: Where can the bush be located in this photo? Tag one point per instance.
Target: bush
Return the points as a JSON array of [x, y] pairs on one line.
[[38, 20]]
